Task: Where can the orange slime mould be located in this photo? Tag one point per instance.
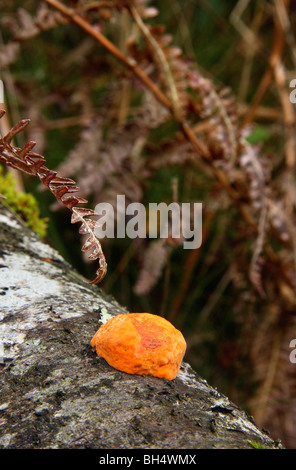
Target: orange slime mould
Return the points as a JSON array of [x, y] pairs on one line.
[[141, 343]]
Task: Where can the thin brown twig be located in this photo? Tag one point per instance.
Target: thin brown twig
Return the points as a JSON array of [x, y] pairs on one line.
[[188, 132], [287, 107], [188, 272], [173, 92], [127, 61], [276, 52]]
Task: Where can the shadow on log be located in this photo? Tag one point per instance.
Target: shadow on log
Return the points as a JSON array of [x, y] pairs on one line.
[[56, 393]]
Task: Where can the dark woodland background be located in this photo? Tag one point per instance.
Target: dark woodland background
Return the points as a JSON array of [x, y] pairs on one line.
[[218, 128]]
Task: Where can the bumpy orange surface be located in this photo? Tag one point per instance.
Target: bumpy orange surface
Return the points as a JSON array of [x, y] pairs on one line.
[[141, 343]]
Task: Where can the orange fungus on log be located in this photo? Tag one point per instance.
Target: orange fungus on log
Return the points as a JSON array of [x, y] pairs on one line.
[[141, 343]]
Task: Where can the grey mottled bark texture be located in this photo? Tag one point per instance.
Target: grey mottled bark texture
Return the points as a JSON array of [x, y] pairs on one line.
[[56, 393]]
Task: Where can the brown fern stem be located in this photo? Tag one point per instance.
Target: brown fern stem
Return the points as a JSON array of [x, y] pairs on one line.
[[131, 64], [76, 18], [170, 104]]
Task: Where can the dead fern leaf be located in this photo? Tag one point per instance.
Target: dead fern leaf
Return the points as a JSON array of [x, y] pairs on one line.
[[25, 160]]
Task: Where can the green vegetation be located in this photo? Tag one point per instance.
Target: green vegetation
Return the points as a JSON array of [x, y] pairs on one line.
[[23, 204]]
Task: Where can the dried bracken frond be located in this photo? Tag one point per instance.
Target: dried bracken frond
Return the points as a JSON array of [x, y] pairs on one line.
[[219, 108], [114, 156], [155, 258], [274, 373], [25, 26], [8, 54], [25, 160]]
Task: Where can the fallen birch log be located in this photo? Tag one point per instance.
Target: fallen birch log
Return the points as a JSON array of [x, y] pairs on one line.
[[54, 390]]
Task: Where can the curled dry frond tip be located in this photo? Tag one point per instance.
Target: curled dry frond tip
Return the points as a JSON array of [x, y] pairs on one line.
[[31, 163]]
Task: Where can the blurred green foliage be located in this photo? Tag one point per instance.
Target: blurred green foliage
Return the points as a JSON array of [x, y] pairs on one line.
[[23, 204]]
